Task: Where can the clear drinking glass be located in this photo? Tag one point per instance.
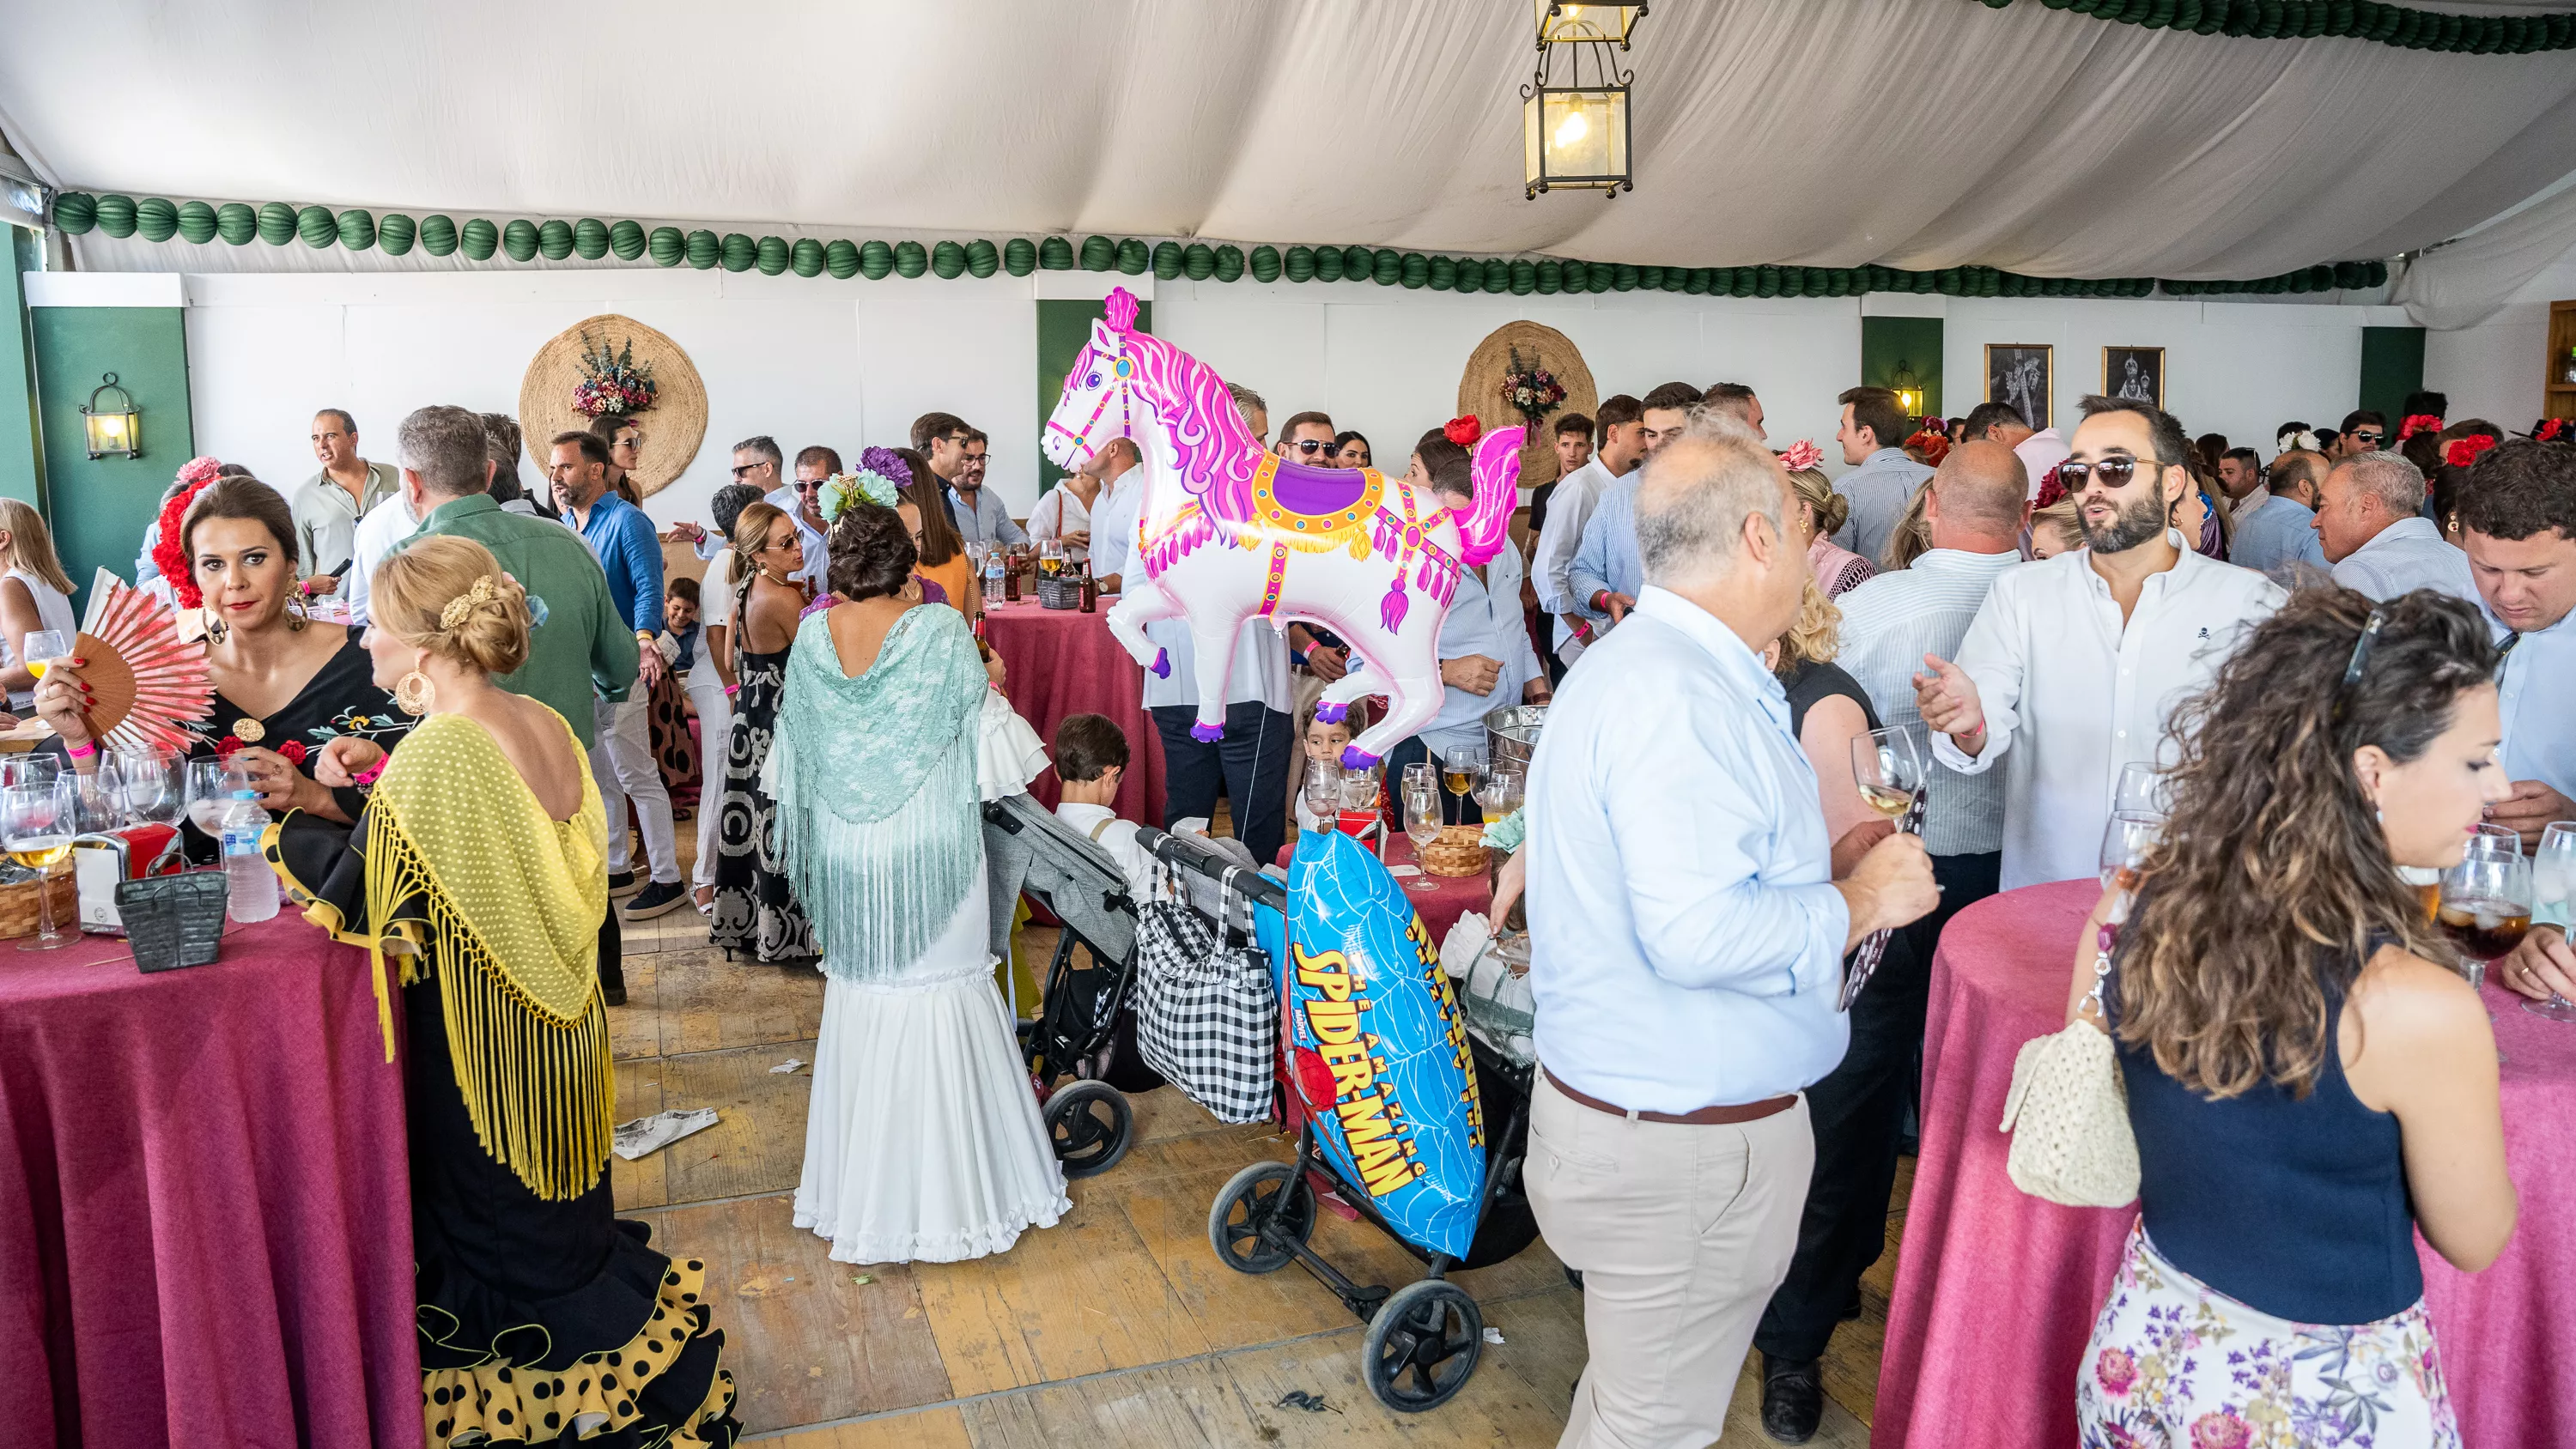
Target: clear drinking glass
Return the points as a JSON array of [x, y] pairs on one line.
[[1501, 791], [1889, 770], [1421, 821], [2553, 889], [1426, 772], [2486, 902], [36, 824], [156, 790], [1323, 793], [211, 783], [2124, 847], [30, 769], [2141, 791], [42, 647], [1461, 768]]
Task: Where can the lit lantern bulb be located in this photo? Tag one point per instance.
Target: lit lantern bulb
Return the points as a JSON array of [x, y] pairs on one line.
[[1571, 130]]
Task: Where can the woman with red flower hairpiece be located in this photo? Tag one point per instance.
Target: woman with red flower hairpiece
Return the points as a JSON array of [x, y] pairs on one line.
[[228, 546], [2453, 450]]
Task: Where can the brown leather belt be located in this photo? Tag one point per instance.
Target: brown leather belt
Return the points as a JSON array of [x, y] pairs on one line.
[[1704, 1117]]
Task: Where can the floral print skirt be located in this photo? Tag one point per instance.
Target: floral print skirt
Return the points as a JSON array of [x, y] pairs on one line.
[[2176, 1364]]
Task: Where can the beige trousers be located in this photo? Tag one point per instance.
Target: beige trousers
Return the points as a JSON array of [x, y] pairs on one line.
[[1681, 1234]]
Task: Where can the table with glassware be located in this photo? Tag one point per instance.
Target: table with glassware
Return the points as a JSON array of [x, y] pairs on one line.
[[1955, 1371]]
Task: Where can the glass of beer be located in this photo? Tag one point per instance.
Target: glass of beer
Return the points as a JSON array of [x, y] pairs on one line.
[[1889, 770], [1460, 769], [2486, 902], [36, 825], [1050, 556]]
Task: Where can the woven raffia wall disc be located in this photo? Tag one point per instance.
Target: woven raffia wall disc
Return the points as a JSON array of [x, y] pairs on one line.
[[674, 426], [1480, 390]]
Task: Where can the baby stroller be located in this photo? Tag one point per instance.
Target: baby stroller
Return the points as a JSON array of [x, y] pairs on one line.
[[1083, 1015], [1424, 1338]]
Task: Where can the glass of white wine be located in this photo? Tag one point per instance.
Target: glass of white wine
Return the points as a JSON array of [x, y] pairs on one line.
[[36, 826], [41, 648], [1460, 769], [1889, 770], [1421, 821]]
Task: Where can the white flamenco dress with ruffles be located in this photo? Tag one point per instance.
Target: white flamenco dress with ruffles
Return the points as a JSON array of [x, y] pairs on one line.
[[923, 1142]]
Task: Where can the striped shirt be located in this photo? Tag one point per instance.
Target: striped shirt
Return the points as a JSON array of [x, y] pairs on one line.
[[1889, 624]]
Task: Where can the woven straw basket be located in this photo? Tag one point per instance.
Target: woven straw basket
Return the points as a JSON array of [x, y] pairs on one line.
[[1480, 390], [674, 426]]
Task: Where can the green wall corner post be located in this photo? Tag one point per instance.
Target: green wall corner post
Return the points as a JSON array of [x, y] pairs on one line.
[[1064, 329], [22, 461], [1915, 343], [101, 507], [2392, 365]]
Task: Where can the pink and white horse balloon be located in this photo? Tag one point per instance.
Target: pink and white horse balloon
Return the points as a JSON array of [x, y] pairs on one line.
[[1226, 533]]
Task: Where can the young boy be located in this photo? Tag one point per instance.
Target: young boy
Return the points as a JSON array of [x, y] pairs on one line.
[[1090, 760]]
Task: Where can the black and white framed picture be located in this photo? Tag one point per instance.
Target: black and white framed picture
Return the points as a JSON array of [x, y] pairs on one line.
[[2136, 374], [2022, 375]]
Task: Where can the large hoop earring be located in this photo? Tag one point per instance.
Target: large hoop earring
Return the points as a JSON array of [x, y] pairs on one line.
[[415, 693], [296, 618]]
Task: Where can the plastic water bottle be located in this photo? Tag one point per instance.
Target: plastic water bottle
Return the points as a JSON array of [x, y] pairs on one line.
[[996, 575], [250, 886]]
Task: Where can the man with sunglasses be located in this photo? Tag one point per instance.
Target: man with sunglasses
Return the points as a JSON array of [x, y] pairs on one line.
[[981, 517], [1308, 439], [802, 502], [2362, 432], [2074, 663]]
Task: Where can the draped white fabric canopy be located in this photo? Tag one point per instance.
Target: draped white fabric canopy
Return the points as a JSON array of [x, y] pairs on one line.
[[1913, 133]]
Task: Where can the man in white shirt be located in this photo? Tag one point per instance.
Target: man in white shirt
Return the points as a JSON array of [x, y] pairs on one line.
[[1882, 480], [1976, 511], [2518, 524], [2370, 523], [2074, 663], [1569, 509], [371, 543], [1688, 947], [802, 501]]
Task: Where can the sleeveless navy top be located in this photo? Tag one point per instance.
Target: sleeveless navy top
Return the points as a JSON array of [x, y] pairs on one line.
[[2295, 1207]]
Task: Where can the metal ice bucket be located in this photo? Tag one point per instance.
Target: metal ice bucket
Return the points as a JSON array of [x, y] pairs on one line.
[[1511, 735]]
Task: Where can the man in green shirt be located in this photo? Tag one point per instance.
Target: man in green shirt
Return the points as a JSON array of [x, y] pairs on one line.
[[328, 505], [581, 649]]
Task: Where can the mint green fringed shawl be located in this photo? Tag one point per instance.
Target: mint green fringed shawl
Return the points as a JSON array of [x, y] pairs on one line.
[[875, 786]]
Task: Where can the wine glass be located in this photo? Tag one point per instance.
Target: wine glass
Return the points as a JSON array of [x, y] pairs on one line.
[[1461, 766], [156, 792], [1323, 793], [41, 648], [30, 769], [1050, 556], [2141, 790], [1500, 792], [211, 783], [2486, 902], [2124, 847], [2553, 889], [1889, 770], [36, 824]]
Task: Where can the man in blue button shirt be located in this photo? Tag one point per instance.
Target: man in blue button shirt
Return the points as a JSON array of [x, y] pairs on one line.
[[622, 760], [1688, 945], [2278, 536]]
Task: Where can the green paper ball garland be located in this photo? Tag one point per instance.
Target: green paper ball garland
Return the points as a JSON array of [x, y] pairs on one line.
[[2381, 24], [158, 219]]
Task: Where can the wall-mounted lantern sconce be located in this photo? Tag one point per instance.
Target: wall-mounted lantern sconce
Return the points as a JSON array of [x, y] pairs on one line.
[[114, 432]]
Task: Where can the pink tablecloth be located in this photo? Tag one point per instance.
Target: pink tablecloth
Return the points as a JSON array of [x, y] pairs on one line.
[[205, 1210], [1996, 1291], [1439, 899], [1063, 662]]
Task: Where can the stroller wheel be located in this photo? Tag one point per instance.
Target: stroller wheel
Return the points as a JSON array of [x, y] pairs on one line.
[[1422, 1346], [1090, 1124], [1265, 1194]]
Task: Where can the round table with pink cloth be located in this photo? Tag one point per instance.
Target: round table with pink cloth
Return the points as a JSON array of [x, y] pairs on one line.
[[205, 1207], [1061, 662], [1996, 1290], [1438, 899]]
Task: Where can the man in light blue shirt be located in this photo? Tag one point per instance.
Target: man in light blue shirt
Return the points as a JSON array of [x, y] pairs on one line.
[[1688, 942], [621, 761], [2278, 536], [1603, 580], [2518, 522], [1882, 480], [2370, 522]]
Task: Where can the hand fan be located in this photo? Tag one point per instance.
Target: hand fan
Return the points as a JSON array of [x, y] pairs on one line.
[[144, 682]]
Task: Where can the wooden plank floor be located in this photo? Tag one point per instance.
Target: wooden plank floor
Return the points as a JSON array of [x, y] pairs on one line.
[[1117, 1326]]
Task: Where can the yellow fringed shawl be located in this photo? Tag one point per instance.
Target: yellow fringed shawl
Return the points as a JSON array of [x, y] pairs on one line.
[[513, 901]]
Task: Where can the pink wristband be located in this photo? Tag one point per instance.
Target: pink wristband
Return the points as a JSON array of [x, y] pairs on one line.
[[81, 751], [369, 777]]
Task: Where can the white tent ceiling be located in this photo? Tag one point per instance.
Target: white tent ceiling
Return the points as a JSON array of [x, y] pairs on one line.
[[1913, 133]]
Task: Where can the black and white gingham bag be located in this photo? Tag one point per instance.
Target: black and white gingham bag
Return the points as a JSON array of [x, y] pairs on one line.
[[1207, 1013]]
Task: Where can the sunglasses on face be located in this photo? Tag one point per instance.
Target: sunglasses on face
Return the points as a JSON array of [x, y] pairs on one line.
[[2365, 435], [808, 485], [741, 468], [1310, 447], [2115, 472]]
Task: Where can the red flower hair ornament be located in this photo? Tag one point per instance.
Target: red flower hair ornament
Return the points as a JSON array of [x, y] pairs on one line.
[[2463, 452], [2554, 430], [2418, 423], [167, 552], [1463, 431]]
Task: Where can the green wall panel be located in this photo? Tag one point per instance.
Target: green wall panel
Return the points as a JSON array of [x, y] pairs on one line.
[[1913, 341], [1064, 327], [22, 471], [2392, 365], [99, 508]]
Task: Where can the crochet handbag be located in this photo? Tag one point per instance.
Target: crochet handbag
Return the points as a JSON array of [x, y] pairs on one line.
[[1207, 1011], [2068, 1110]]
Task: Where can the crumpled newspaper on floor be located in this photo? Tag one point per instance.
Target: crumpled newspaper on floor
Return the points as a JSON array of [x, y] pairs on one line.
[[647, 1135]]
